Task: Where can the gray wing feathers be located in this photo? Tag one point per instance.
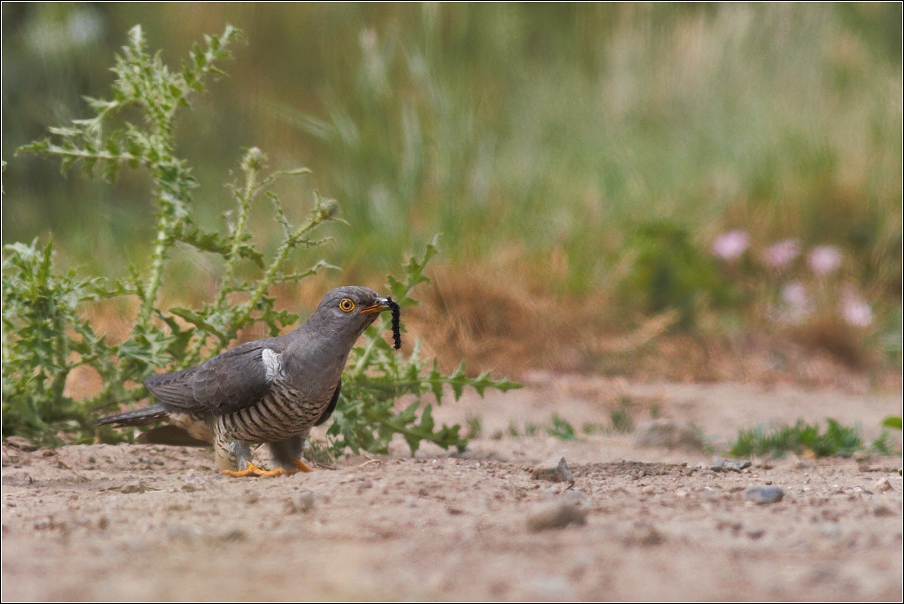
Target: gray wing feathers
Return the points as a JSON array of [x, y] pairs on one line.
[[227, 383]]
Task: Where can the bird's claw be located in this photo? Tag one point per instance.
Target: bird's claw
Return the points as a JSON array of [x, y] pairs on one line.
[[253, 470]]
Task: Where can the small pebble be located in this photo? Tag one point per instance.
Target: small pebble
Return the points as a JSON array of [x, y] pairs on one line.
[[764, 495], [234, 535], [882, 485], [555, 515], [553, 470], [301, 503], [720, 464], [134, 487]]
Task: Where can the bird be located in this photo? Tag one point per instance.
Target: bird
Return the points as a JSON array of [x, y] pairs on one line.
[[270, 391]]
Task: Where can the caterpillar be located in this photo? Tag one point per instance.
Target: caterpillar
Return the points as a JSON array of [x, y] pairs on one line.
[[396, 322]]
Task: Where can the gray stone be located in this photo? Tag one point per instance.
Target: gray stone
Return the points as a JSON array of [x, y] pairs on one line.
[[553, 470], [883, 485], [764, 495], [134, 487], [720, 464], [555, 515]]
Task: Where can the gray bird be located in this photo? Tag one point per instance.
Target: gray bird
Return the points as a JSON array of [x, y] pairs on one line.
[[268, 391]]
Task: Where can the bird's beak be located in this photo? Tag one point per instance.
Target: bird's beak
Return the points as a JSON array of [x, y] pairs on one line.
[[381, 305]]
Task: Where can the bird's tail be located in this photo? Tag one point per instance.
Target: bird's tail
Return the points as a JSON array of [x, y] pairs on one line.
[[136, 417]]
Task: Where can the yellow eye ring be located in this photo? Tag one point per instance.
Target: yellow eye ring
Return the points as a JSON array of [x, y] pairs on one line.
[[346, 305]]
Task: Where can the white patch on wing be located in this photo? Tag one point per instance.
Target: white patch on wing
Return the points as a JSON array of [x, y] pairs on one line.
[[273, 363]]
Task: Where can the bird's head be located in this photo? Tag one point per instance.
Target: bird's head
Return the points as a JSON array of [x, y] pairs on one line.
[[345, 312]]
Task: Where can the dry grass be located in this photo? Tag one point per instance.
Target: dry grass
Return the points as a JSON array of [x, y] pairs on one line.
[[501, 317], [498, 317]]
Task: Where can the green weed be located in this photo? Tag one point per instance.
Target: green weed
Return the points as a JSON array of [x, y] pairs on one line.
[[799, 438], [45, 335], [560, 428], [475, 427], [593, 428], [621, 418]]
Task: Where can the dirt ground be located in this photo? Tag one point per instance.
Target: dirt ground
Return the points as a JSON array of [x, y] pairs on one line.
[[158, 523]]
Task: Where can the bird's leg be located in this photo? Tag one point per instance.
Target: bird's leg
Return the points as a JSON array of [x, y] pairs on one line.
[[287, 454], [234, 459]]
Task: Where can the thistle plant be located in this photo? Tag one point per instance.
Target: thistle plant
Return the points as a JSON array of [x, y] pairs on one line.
[[46, 335]]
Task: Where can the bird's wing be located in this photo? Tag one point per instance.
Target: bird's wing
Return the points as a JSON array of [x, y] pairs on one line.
[[227, 383]]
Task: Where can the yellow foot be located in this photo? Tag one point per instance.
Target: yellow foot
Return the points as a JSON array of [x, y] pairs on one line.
[[253, 470], [302, 466]]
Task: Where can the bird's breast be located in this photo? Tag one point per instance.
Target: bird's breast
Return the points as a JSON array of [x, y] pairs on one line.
[[284, 412]]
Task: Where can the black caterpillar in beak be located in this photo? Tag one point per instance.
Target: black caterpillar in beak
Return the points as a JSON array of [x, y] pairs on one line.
[[396, 317]]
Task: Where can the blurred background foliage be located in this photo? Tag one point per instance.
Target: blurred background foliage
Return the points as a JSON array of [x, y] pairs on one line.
[[588, 152]]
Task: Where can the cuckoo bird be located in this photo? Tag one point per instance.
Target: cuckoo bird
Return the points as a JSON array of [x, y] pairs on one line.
[[268, 391]]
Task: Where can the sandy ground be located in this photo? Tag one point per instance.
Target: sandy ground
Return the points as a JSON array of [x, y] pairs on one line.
[[158, 523]]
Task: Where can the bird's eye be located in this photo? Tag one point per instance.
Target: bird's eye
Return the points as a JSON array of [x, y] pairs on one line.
[[346, 305]]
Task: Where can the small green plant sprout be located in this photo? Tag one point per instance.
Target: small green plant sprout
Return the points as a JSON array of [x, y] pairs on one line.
[[801, 438], [46, 335], [475, 426], [560, 428], [621, 418], [591, 428], [884, 443]]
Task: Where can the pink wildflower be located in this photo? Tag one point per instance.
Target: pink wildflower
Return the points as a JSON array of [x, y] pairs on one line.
[[854, 309], [795, 295], [781, 254], [730, 245], [824, 259]]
